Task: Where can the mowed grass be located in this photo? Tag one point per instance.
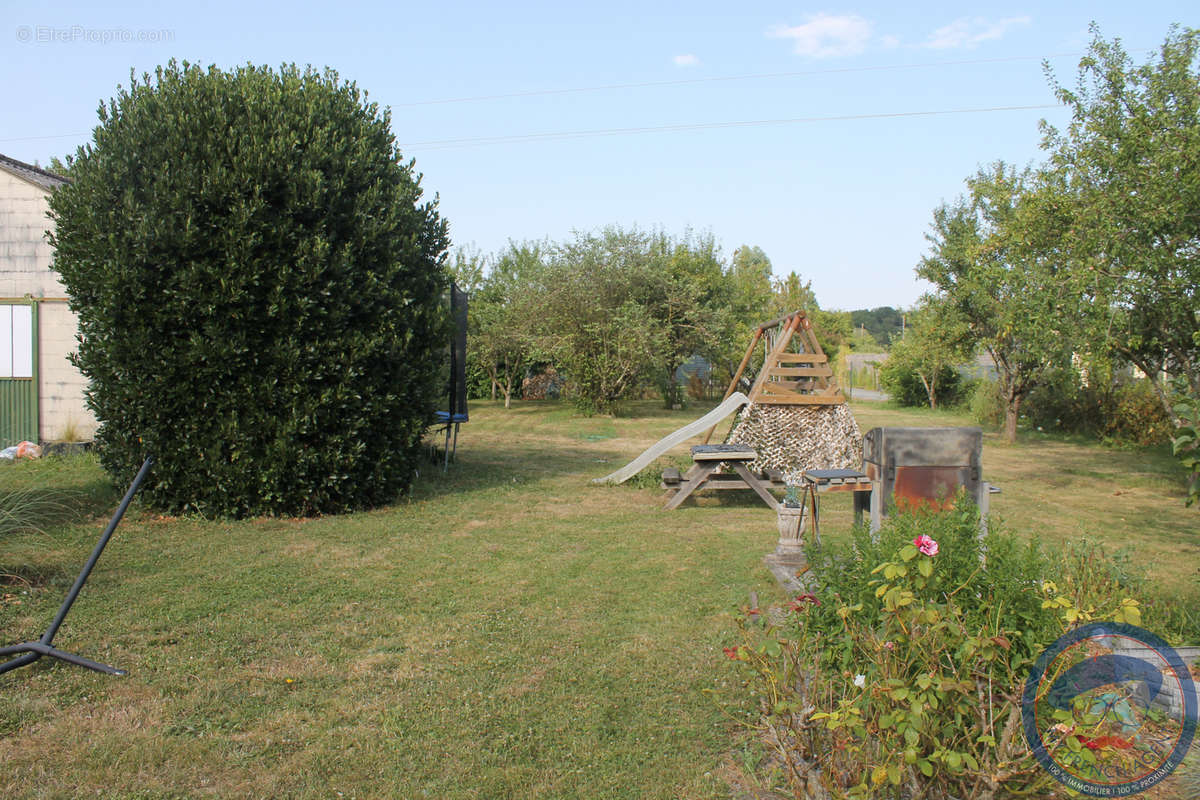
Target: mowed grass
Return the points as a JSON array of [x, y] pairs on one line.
[[509, 630]]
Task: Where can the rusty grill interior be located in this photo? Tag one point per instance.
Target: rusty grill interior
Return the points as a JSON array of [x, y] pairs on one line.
[[924, 467]]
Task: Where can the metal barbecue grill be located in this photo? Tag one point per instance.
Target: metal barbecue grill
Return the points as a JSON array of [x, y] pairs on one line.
[[924, 467]]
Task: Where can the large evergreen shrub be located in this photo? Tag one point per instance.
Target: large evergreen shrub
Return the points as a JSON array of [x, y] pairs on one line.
[[258, 287]]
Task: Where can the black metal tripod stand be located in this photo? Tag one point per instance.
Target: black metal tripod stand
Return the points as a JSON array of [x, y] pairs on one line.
[[44, 647]]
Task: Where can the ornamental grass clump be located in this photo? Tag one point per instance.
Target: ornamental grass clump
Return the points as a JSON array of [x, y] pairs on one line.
[[27, 510], [900, 674]]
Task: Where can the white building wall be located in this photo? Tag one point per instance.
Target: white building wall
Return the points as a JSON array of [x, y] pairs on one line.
[[25, 258], [64, 411], [25, 255]]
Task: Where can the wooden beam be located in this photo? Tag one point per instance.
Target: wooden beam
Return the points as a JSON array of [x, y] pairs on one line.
[[798, 400], [813, 358], [791, 387], [766, 326], [796, 372], [780, 343]]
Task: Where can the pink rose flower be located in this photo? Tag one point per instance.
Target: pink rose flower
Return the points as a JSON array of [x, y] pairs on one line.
[[926, 545]]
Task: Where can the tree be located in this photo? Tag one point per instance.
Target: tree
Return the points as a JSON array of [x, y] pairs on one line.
[[884, 323], [750, 279], [501, 337], [60, 166], [935, 341], [623, 307], [748, 292], [259, 290], [1130, 163], [793, 293], [997, 262], [468, 268], [687, 294]]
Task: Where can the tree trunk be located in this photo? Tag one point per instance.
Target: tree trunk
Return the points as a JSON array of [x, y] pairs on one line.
[[930, 390], [1012, 403], [507, 394], [1160, 391]]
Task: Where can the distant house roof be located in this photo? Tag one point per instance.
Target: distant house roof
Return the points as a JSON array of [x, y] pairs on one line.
[[37, 175]]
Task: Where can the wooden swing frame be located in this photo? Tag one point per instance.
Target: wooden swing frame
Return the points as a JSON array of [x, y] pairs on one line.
[[787, 378]]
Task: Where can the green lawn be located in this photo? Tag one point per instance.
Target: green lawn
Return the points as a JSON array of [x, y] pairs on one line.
[[508, 631]]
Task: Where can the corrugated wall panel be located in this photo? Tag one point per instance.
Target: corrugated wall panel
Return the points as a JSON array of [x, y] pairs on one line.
[[18, 411]]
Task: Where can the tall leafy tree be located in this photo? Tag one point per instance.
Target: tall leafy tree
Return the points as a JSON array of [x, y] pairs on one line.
[[748, 291], [619, 308], [687, 294], [588, 319], [502, 338], [750, 278], [997, 262], [468, 267], [259, 289], [1130, 163], [793, 293]]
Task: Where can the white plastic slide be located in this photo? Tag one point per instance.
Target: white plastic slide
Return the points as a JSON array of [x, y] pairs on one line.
[[731, 404]]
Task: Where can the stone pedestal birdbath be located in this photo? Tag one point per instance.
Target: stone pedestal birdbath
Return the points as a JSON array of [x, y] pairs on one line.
[[788, 559]]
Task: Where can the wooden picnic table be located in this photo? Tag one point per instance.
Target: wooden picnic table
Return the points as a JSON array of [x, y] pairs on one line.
[[704, 474]]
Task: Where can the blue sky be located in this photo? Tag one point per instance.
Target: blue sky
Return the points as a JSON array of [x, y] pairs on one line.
[[835, 175]]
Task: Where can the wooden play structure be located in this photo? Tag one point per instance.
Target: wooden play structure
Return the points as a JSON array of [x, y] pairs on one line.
[[793, 373], [793, 417]]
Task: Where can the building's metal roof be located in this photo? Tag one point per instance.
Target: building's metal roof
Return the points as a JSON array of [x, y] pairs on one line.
[[47, 180]]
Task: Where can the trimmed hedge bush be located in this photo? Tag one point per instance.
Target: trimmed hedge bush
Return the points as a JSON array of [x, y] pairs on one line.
[[259, 291]]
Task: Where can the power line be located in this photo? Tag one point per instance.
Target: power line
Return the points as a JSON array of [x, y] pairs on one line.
[[444, 144], [716, 79], [679, 82], [37, 138]]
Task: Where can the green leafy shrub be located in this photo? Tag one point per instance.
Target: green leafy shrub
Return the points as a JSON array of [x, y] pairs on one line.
[[1136, 416], [986, 403], [904, 386], [479, 383], [1115, 410], [996, 587], [258, 288], [1118, 410], [900, 674]]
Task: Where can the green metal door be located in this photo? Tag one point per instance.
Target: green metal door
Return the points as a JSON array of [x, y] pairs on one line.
[[18, 373]]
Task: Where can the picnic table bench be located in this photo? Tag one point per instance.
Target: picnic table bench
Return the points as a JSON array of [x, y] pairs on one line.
[[707, 460]]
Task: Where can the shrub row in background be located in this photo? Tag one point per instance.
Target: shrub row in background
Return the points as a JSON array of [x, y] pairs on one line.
[[1121, 411]]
